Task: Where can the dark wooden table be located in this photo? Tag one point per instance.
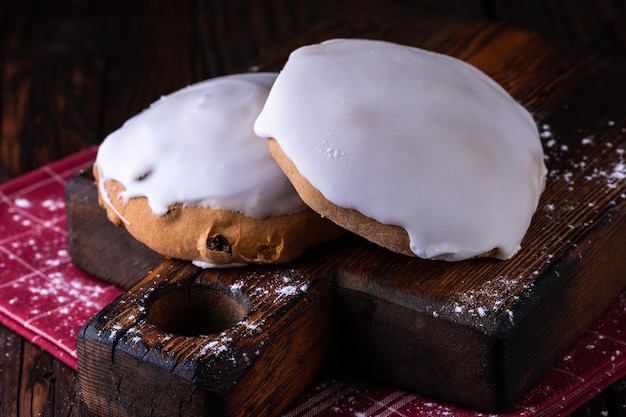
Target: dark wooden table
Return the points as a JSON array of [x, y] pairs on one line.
[[72, 71]]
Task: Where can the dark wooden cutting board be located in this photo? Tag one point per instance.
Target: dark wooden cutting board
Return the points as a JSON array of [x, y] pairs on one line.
[[478, 333]]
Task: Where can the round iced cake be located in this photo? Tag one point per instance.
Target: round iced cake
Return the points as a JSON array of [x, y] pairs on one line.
[[189, 178], [419, 152]]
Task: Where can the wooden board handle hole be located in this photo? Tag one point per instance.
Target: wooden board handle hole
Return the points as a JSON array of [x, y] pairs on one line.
[[199, 309]]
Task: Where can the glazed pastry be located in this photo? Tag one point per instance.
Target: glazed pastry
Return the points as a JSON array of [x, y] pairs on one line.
[[419, 152], [189, 178]]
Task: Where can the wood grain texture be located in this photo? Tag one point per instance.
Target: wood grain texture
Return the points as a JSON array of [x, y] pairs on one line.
[[38, 385], [123, 263], [190, 342]]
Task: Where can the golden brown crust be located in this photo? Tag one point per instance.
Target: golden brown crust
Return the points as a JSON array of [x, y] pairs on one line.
[[391, 237], [218, 236]]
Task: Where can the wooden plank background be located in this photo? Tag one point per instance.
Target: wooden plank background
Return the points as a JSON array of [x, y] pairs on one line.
[[71, 71]]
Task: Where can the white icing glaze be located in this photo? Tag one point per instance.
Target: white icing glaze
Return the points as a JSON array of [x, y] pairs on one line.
[[197, 147], [410, 138], [209, 265]]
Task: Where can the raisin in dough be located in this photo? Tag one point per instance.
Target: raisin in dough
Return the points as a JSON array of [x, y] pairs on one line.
[[419, 152], [189, 178]]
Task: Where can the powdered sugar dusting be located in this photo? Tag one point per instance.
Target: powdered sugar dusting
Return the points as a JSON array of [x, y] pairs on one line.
[[288, 290], [619, 171], [258, 295], [217, 346], [53, 204], [287, 283], [485, 300], [23, 203], [581, 371], [607, 163], [580, 179]]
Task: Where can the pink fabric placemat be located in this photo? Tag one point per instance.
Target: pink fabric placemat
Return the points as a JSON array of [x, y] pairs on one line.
[[46, 300]]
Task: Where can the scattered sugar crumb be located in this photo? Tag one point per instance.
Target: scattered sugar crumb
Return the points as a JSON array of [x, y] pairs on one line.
[[53, 205], [23, 203], [251, 326], [587, 140], [116, 328], [287, 290], [510, 315], [619, 171]]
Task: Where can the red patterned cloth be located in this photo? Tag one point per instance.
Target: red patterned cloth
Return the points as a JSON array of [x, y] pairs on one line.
[[45, 299]]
